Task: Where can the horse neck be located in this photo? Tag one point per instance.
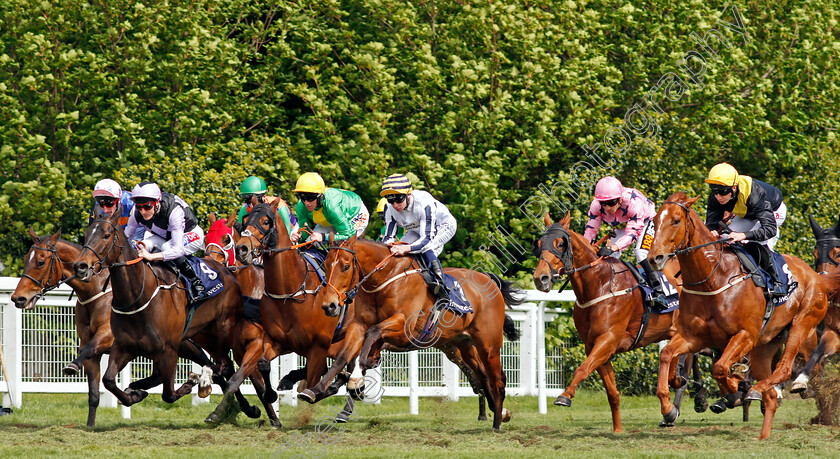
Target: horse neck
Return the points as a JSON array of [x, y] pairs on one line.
[[65, 251], [127, 280], [288, 263], [698, 264], [593, 277], [370, 254]]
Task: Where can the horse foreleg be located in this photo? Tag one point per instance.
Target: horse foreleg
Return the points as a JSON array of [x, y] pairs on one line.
[[116, 361], [392, 327], [701, 404], [608, 376], [738, 346], [92, 372], [683, 368], [799, 331], [99, 344], [675, 348], [601, 352], [167, 362]]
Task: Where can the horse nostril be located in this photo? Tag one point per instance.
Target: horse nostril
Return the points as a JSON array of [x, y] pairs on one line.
[[544, 279]]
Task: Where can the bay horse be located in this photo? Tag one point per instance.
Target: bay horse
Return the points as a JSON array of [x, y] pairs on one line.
[[393, 299], [47, 265], [290, 310], [151, 315], [826, 256], [721, 309], [609, 310]]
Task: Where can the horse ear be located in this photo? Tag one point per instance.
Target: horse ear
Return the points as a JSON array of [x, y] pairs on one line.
[[547, 220], [211, 217], [566, 221], [332, 239], [115, 216], [815, 227], [275, 205], [231, 220], [55, 236], [353, 239], [690, 202], [33, 235]]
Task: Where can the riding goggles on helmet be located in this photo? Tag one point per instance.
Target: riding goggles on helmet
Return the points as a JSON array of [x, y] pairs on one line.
[[720, 190], [145, 205], [609, 203], [396, 198], [308, 196]]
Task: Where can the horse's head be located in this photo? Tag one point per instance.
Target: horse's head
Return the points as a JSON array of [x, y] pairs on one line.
[[342, 273], [674, 228], [553, 249], [827, 250], [41, 270], [260, 232], [102, 244], [219, 241]]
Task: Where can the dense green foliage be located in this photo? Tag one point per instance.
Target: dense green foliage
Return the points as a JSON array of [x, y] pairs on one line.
[[482, 102]]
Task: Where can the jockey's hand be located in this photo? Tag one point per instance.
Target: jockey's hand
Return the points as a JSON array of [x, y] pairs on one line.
[[605, 251], [146, 255], [736, 237], [295, 236], [715, 234], [400, 249], [317, 237]]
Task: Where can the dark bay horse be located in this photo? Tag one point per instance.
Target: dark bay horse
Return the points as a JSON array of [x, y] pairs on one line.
[[608, 311], [390, 310], [826, 256], [150, 310], [721, 308]]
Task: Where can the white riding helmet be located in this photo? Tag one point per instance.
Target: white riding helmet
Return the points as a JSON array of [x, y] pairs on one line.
[[107, 187], [145, 191]]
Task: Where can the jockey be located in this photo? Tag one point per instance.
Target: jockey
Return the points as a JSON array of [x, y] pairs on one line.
[[107, 193], [428, 225], [616, 205], [752, 209], [326, 210], [171, 231], [252, 192], [380, 210]]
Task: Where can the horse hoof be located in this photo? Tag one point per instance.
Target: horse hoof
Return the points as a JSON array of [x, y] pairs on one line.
[[798, 388], [753, 395], [701, 405], [482, 417], [253, 412], [671, 418], [205, 391], [286, 384], [505, 415], [732, 399], [563, 401], [71, 369], [212, 419], [718, 407], [270, 396], [342, 417], [357, 393], [276, 424], [307, 396], [497, 429]]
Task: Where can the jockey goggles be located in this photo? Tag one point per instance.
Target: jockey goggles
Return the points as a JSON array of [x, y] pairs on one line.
[[396, 198], [307, 196], [609, 203], [105, 201], [720, 190], [147, 205], [246, 198]]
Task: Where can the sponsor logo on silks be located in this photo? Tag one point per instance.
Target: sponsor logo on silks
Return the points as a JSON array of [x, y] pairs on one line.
[[647, 242], [191, 237]]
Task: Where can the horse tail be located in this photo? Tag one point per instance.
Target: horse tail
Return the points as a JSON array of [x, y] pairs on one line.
[[510, 330], [513, 295]]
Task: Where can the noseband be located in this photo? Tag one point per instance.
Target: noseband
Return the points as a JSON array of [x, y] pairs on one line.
[[55, 262], [546, 243]]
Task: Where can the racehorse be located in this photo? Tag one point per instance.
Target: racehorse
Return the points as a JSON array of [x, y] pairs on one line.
[[826, 255], [609, 310], [151, 315], [45, 269], [289, 310], [719, 310], [394, 298]]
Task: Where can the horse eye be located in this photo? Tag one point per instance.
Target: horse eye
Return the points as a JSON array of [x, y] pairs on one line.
[[41, 263], [676, 222], [347, 267]]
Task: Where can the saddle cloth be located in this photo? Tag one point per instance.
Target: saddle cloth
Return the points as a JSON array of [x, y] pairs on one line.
[[781, 268], [208, 276], [458, 301]]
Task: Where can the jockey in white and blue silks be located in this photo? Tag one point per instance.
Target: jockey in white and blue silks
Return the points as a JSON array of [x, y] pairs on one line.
[[171, 231], [428, 224]]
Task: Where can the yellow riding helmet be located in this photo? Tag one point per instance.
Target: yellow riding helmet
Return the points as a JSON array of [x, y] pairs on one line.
[[381, 206], [396, 184], [310, 182], [723, 174]]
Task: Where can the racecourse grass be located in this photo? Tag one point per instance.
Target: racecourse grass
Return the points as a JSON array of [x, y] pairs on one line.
[[53, 425]]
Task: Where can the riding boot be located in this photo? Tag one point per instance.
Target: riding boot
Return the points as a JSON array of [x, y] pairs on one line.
[[436, 284], [658, 295], [198, 290], [776, 288]]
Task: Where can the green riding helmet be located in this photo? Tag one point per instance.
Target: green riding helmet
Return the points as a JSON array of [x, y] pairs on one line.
[[252, 185]]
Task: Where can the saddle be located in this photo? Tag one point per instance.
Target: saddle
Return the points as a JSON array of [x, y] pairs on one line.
[[647, 290], [457, 299]]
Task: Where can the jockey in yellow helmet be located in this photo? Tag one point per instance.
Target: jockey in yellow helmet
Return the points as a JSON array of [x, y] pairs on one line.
[[326, 210]]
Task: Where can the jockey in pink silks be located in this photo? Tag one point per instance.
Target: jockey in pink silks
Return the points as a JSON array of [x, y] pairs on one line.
[[630, 214]]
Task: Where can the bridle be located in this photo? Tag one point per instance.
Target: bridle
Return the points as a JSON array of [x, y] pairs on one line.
[[681, 249], [824, 247], [55, 262], [223, 251]]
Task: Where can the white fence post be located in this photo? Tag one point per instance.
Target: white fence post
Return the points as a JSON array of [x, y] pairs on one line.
[[274, 380], [373, 393], [543, 408], [527, 352], [451, 378], [414, 381], [13, 354], [288, 363], [125, 380]]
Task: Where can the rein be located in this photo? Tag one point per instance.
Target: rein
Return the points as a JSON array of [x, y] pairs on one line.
[[686, 238], [55, 262]]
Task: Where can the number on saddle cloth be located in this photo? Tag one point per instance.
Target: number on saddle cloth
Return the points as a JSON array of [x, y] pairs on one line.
[[211, 279]]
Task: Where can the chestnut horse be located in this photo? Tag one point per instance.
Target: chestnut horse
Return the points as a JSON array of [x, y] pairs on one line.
[[721, 309], [826, 255], [151, 314], [44, 270], [608, 311], [390, 309]]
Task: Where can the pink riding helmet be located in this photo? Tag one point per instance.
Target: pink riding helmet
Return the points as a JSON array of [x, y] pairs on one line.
[[608, 188]]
